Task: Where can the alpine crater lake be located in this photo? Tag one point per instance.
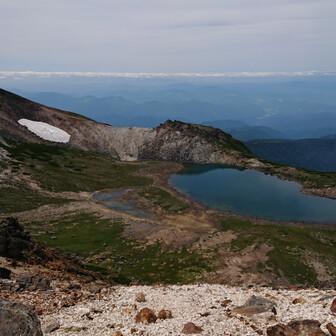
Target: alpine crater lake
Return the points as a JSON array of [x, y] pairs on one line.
[[253, 194]]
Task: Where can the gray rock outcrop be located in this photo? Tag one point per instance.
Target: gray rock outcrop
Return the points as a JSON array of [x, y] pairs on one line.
[[17, 319], [171, 141], [13, 239]]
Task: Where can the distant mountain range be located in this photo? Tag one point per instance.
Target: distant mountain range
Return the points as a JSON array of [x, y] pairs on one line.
[[315, 154], [258, 112], [292, 110], [305, 125], [172, 141], [122, 112], [329, 136], [244, 132]]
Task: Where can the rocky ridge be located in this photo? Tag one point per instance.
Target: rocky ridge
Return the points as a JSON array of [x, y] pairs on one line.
[[172, 141], [182, 142]]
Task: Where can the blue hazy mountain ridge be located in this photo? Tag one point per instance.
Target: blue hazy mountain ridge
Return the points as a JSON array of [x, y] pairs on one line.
[[295, 109], [119, 111], [256, 132], [243, 132], [305, 125], [329, 136], [314, 154], [291, 110]]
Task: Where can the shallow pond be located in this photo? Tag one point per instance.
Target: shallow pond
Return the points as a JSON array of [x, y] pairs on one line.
[[252, 193], [130, 208]]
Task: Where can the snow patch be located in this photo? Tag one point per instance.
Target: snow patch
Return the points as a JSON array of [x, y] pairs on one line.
[[45, 131]]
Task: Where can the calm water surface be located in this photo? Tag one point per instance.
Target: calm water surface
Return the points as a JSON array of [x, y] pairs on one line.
[[129, 208], [252, 193]]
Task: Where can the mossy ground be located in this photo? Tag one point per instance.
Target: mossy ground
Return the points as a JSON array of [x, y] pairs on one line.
[[163, 199], [101, 242], [294, 249], [17, 199], [123, 260], [60, 169], [308, 178], [64, 169]]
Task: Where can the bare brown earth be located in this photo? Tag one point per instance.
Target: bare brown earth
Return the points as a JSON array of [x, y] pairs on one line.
[[196, 227], [329, 192], [171, 142]]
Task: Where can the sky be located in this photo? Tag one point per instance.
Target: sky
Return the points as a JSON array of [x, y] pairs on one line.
[[169, 36]]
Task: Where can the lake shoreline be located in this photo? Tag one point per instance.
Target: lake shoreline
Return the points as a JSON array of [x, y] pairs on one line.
[[165, 170], [252, 194]]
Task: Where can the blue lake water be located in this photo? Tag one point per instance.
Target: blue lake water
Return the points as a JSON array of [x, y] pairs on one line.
[[130, 208], [251, 193]]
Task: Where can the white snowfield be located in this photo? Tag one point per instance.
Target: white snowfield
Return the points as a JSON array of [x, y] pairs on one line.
[[45, 131]]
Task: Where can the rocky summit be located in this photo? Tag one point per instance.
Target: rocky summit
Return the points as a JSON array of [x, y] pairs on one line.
[[171, 141]]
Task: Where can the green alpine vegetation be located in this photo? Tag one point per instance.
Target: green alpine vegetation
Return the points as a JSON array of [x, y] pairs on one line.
[[66, 169], [100, 242], [294, 249], [163, 199]]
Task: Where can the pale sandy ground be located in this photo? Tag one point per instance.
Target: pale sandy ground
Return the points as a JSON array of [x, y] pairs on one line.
[[117, 308]]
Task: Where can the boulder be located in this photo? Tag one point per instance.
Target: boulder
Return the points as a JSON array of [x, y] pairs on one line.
[[145, 314], [52, 327], [18, 319], [31, 283], [331, 328], [116, 333], [5, 273], [281, 330], [13, 239], [299, 300], [190, 328], [140, 297], [333, 306], [164, 314], [297, 328], [256, 305], [307, 327]]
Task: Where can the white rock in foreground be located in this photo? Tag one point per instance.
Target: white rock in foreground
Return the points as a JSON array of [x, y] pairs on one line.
[[45, 131], [201, 304]]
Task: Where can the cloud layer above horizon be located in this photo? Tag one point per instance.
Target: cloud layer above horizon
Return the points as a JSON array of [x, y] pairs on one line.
[[168, 35]]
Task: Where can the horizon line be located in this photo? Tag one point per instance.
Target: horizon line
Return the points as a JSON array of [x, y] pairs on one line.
[[46, 74]]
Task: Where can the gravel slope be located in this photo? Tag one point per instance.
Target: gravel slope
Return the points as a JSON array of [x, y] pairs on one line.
[[117, 307]]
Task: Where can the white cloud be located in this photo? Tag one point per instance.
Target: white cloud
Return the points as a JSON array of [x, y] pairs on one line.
[[168, 35], [30, 74]]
